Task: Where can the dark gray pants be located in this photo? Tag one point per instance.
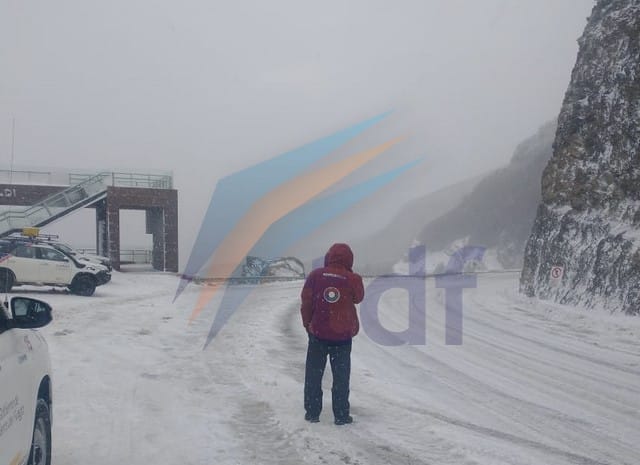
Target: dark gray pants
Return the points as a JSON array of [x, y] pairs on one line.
[[340, 359]]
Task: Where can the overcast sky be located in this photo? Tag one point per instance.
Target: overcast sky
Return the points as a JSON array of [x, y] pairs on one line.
[[205, 88]]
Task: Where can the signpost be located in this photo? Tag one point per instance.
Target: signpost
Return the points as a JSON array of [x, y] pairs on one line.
[[555, 276]]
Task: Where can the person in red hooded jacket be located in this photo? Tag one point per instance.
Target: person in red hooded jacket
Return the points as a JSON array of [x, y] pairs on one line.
[[329, 315]]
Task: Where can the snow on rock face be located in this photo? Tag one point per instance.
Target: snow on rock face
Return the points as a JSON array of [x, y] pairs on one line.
[[589, 219]]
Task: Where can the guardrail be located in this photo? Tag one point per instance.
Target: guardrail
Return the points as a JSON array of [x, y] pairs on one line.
[[135, 256], [53, 206], [128, 256], [160, 180], [116, 179], [262, 279], [25, 177], [245, 280]]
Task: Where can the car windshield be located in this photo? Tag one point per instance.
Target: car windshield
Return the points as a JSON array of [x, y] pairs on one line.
[[65, 248]]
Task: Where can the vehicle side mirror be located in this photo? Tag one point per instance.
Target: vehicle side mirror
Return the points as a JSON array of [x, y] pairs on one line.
[[30, 313]]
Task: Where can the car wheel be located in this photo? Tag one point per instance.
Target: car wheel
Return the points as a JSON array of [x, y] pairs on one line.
[[83, 285], [41, 442], [6, 280]]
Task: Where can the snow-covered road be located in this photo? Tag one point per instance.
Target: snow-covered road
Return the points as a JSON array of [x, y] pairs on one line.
[[533, 383]]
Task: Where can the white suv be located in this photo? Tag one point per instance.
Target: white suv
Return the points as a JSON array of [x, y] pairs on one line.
[[37, 263], [88, 258], [25, 384]]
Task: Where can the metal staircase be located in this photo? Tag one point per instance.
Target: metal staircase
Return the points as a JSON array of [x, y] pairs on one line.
[[51, 208]]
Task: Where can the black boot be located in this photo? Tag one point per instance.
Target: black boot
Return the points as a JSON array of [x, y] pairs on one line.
[[311, 418], [344, 420]]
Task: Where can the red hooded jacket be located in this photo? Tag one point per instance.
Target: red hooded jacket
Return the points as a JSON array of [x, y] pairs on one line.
[[329, 296]]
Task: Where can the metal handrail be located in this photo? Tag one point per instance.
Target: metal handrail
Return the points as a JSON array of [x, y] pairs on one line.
[[121, 179], [10, 174], [160, 180], [138, 255], [64, 199], [82, 187]]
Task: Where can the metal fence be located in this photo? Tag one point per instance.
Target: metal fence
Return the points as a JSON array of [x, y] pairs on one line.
[[265, 279], [128, 256], [26, 177], [161, 180], [135, 256], [144, 180]]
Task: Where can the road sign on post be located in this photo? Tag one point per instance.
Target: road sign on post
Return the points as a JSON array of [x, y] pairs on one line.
[[555, 275]]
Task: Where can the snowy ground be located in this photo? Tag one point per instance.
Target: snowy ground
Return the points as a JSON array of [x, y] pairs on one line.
[[533, 383]]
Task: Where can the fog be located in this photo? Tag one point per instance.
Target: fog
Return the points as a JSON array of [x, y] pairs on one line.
[[204, 89]]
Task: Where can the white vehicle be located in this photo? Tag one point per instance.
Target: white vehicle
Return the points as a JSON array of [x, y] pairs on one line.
[[38, 263], [25, 384], [33, 235], [83, 257]]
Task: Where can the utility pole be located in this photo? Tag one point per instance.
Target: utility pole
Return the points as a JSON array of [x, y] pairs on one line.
[[13, 142]]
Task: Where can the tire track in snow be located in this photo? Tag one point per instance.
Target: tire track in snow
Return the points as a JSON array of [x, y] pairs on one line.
[[518, 361], [517, 349], [572, 390], [513, 439], [551, 347], [525, 418]]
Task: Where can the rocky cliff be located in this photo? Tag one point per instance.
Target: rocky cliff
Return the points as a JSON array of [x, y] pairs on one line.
[[589, 218]]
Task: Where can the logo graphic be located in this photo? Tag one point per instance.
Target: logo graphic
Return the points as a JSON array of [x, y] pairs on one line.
[[331, 295], [264, 209]]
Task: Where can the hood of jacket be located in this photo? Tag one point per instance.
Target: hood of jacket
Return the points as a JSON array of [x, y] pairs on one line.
[[339, 254]]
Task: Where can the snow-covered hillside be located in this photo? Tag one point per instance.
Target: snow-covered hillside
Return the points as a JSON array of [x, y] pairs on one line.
[[533, 383], [499, 212]]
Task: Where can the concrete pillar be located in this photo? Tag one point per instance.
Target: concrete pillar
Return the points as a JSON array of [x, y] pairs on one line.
[[113, 229], [171, 232], [156, 226], [102, 234]]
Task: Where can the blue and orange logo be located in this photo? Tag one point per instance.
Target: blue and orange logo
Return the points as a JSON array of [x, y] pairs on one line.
[[264, 209]]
